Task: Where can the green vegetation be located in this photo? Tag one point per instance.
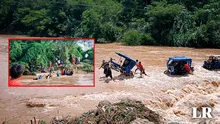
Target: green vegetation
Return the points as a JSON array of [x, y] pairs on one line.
[[86, 67], [191, 23], [36, 55]]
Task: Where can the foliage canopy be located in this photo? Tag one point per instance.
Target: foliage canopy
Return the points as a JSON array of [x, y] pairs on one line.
[[37, 54], [192, 23]]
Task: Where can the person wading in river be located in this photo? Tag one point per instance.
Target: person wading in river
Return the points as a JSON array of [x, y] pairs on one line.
[[107, 69], [16, 72], [141, 68], [137, 66]]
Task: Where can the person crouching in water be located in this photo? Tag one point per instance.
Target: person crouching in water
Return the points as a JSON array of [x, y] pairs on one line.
[[141, 68], [38, 78], [107, 69], [16, 72], [188, 69]]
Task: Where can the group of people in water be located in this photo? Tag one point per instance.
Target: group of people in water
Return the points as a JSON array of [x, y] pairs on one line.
[[140, 67], [106, 65], [17, 70], [64, 71]]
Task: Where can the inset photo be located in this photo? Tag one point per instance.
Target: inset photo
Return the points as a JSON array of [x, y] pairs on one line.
[[51, 62]]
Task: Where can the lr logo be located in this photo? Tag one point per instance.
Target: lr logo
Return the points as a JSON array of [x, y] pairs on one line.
[[205, 113]]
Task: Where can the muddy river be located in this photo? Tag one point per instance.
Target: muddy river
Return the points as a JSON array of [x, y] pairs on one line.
[[172, 97], [83, 79]]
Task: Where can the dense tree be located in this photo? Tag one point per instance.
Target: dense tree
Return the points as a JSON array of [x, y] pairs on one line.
[[161, 17], [37, 54], [192, 23]]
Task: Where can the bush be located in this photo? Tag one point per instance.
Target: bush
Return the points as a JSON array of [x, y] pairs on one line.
[[132, 38], [161, 19], [110, 32], [86, 67], [101, 40], [147, 39]]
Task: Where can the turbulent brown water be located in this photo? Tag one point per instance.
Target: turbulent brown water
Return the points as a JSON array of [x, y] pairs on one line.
[[171, 97], [76, 79]]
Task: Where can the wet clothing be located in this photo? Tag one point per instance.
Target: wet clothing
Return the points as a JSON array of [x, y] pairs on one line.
[[143, 72], [107, 69], [15, 82], [186, 66], [137, 67], [140, 66], [108, 73], [105, 65], [40, 77]]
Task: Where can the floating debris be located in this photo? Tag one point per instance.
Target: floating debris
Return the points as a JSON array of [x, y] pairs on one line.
[[125, 111]]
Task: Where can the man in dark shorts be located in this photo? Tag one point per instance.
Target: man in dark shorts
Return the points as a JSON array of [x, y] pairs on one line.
[[107, 69], [108, 72]]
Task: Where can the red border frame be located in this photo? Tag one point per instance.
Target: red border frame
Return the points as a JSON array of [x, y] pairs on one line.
[[60, 38]]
